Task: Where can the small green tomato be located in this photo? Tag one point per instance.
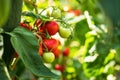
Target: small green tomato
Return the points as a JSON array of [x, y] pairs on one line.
[[64, 32], [48, 57], [56, 13]]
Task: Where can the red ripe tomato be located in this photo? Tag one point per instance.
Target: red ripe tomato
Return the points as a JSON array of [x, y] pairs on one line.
[[38, 22], [51, 44], [66, 51], [56, 52], [24, 25], [59, 67], [76, 12], [51, 27], [40, 48]]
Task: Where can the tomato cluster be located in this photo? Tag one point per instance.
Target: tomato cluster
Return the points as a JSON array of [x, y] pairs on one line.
[[48, 46]]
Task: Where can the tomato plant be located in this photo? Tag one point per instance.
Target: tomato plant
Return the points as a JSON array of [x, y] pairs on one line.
[[59, 40]]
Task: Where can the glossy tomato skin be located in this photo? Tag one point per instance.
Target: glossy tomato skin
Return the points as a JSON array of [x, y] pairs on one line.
[[51, 27], [48, 57], [59, 67], [64, 32], [66, 51], [51, 44], [56, 52]]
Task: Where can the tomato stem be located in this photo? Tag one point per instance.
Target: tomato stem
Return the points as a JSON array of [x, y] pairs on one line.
[[13, 63]]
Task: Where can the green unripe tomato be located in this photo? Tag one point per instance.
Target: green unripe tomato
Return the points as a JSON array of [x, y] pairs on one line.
[[64, 32], [56, 13], [48, 57], [4, 11]]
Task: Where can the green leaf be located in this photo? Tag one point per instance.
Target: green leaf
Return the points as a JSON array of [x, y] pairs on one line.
[[110, 56], [112, 10], [29, 4], [117, 55], [89, 43], [96, 68], [4, 75], [81, 28], [30, 14], [45, 18], [4, 11], [26, 45]]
